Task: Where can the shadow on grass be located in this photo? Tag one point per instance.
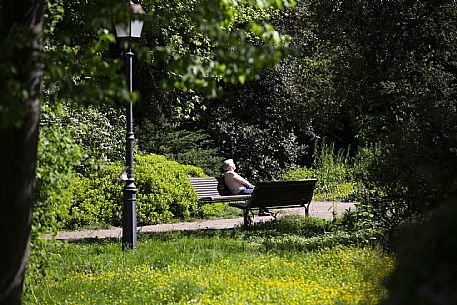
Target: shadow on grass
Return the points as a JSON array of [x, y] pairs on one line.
[[289, 234], [288, 225]]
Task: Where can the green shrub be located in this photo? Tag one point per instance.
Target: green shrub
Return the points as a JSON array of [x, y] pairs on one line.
[[97, 198], [57, 154], [375, 209], [163, 193], [99, 131]]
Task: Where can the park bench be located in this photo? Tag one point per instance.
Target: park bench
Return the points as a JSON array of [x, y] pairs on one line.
[[269, 194], [213, 189], [282, 194]]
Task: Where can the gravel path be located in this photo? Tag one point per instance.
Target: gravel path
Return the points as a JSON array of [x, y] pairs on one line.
[[316, 209]]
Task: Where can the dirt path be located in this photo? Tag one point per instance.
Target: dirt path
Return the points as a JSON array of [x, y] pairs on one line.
[[317, 209]]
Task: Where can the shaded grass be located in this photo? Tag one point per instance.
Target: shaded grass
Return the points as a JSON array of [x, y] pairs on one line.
[[232, 266]]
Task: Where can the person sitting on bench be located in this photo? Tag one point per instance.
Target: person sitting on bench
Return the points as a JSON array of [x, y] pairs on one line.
[[237, 184]]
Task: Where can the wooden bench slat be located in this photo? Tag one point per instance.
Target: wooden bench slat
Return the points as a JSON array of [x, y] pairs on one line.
[[213, 189]]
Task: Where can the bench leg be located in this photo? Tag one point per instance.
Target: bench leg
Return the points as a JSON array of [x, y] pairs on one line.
[[247, 219], [307, 209]]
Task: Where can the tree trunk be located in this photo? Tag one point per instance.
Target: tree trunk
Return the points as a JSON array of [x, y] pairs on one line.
[[22, 21]]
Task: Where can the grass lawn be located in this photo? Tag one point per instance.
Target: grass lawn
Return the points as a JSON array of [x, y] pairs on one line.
[[287, 261]]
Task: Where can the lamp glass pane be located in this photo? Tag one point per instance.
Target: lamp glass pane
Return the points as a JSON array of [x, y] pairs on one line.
[[137, 26], [122, 30]]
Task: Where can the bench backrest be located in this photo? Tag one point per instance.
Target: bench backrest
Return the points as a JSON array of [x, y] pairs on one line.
[[283, 193], [209, 186]]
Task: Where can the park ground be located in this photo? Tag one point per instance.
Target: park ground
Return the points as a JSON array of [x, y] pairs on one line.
[[320, 209]]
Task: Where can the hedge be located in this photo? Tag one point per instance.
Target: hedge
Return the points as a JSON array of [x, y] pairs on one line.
[[163, 193]]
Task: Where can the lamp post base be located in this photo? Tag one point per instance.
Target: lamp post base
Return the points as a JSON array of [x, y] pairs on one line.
[[129, 233]]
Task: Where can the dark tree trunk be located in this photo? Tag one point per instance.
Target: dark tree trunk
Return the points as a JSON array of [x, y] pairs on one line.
[[18, 142]]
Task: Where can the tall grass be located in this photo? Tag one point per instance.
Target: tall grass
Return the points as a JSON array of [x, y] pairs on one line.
[[217, 267], [334, 172]]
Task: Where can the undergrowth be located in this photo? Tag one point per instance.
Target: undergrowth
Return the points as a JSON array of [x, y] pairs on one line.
[[293, 260], [336, 173]]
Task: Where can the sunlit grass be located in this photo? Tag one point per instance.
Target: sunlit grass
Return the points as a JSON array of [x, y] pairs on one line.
[[212, 267]]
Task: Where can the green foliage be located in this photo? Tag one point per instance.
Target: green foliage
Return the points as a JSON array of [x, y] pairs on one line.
[[57, 155], [395, 67], [99, 131], [282, 112], [254, 131], [219, 266], [183, 146], [97, 198], [70, 138], [425, 261], [375, 210], [333, 171], [218, 50], [207, 41], [193, 43], [163, 193], [78, 61]]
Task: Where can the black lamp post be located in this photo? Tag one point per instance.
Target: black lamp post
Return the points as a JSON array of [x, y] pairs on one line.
[[129, 30]]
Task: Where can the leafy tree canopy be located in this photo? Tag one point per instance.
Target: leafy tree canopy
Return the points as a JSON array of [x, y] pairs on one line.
[[81, 58], [395, 66]]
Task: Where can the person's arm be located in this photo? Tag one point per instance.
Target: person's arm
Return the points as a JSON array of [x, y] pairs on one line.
[[242, 180]]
